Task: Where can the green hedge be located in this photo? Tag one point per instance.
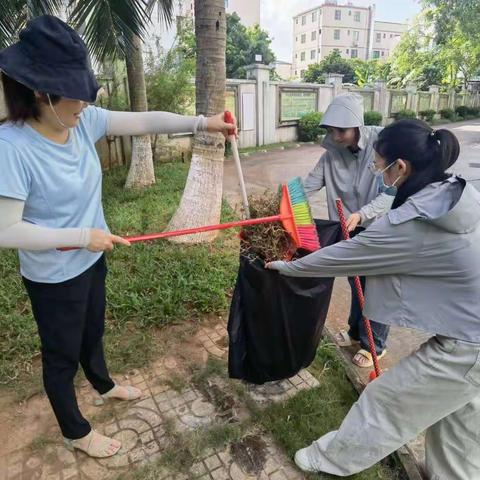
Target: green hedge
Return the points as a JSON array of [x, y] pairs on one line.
[[427, 115], [404, 114], [372, 118], [447, 113], [309, 127]]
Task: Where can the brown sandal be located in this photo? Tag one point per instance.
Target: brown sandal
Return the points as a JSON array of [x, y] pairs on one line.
[[367, 358]]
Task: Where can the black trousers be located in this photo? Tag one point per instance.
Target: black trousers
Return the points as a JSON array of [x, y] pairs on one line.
[[355, 320], [71, 321], [357, 325]]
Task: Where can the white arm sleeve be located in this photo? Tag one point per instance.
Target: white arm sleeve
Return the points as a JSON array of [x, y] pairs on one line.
[[26, 236], [145, 123], [379, 206]]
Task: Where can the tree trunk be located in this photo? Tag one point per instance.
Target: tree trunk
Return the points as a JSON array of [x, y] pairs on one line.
[[141, 173], [202, 198]]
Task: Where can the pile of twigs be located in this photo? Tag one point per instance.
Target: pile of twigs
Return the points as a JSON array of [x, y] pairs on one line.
[[267, 241]]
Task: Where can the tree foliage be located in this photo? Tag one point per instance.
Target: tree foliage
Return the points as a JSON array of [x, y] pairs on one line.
[[243, 43], [440, 47], [332, 63]]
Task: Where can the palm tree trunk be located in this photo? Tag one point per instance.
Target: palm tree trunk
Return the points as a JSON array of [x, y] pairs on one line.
[[202, 198], [141, 173]]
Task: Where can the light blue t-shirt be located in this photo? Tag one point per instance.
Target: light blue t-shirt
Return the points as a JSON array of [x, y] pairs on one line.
[[61, 186]]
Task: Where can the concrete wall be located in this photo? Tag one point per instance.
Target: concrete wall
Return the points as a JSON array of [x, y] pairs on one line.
[[257, 104]]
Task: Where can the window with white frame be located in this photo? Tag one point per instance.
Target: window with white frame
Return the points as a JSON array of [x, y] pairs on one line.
[[338, 14], [376, 54], [302, 56], [304, 20], [356, 35], [379, 37], [312, 55], [356, 16], [354, 53], [314, 35], [336, 34], [314, 17], [304, 37]]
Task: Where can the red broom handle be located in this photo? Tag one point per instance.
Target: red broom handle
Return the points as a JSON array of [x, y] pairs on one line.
[[208, 228], [190, 231], [359, 290]]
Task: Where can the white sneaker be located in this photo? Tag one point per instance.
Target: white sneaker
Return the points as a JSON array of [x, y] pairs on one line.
[[302, 461]]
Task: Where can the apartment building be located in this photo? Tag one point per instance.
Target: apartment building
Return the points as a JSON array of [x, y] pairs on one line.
[[350, 29], [385, 38]]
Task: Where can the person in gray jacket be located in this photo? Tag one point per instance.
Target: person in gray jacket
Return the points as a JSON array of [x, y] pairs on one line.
[[422, 261], [344, 172]]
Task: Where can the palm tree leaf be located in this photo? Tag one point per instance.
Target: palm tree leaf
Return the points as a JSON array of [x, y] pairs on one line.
[[42, 7], [164, 10], [15, 14], [108, 25]]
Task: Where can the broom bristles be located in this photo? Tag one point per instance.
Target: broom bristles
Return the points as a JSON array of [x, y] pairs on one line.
[[302, 214]]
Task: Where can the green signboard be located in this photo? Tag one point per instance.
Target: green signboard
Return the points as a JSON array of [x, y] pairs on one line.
[[295, 104], [424, 101], [398, 102], [443, 101], [230, 102]]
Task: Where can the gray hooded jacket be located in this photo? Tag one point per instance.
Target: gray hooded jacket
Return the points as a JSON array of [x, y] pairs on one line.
[[344, 174], [422, 261]]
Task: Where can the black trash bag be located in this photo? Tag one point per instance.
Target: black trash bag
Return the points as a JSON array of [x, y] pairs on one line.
[[276, 322]]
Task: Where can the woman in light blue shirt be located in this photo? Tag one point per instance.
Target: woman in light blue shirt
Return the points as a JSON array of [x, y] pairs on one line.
[[50, 197]]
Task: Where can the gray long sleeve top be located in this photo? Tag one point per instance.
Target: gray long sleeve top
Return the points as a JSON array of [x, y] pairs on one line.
[[422, 261], [347, 176]]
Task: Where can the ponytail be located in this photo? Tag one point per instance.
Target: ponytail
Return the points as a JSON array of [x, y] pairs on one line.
[[449, 147], [430, 153]]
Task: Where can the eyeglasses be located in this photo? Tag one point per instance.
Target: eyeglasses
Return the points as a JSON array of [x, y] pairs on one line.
[[377, 170]]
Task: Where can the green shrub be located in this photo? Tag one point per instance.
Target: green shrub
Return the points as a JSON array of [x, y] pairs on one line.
[[404, 114], [309, 127], [462, 111], [447, 113], [372, 118], [474, 111], [427, 115]]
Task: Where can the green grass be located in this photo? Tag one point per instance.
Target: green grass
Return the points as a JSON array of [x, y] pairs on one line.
[[294, 424], [148, 286]]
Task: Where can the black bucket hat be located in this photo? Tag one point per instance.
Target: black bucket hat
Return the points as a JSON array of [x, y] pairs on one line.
[[50, 57]]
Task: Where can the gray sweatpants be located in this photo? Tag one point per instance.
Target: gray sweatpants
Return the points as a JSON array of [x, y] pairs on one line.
[[436, 389]]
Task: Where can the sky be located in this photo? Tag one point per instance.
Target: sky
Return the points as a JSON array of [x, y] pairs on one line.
[[277, 17]]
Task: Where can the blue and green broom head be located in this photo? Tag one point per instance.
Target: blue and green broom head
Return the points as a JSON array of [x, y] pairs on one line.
[[297, 217]]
